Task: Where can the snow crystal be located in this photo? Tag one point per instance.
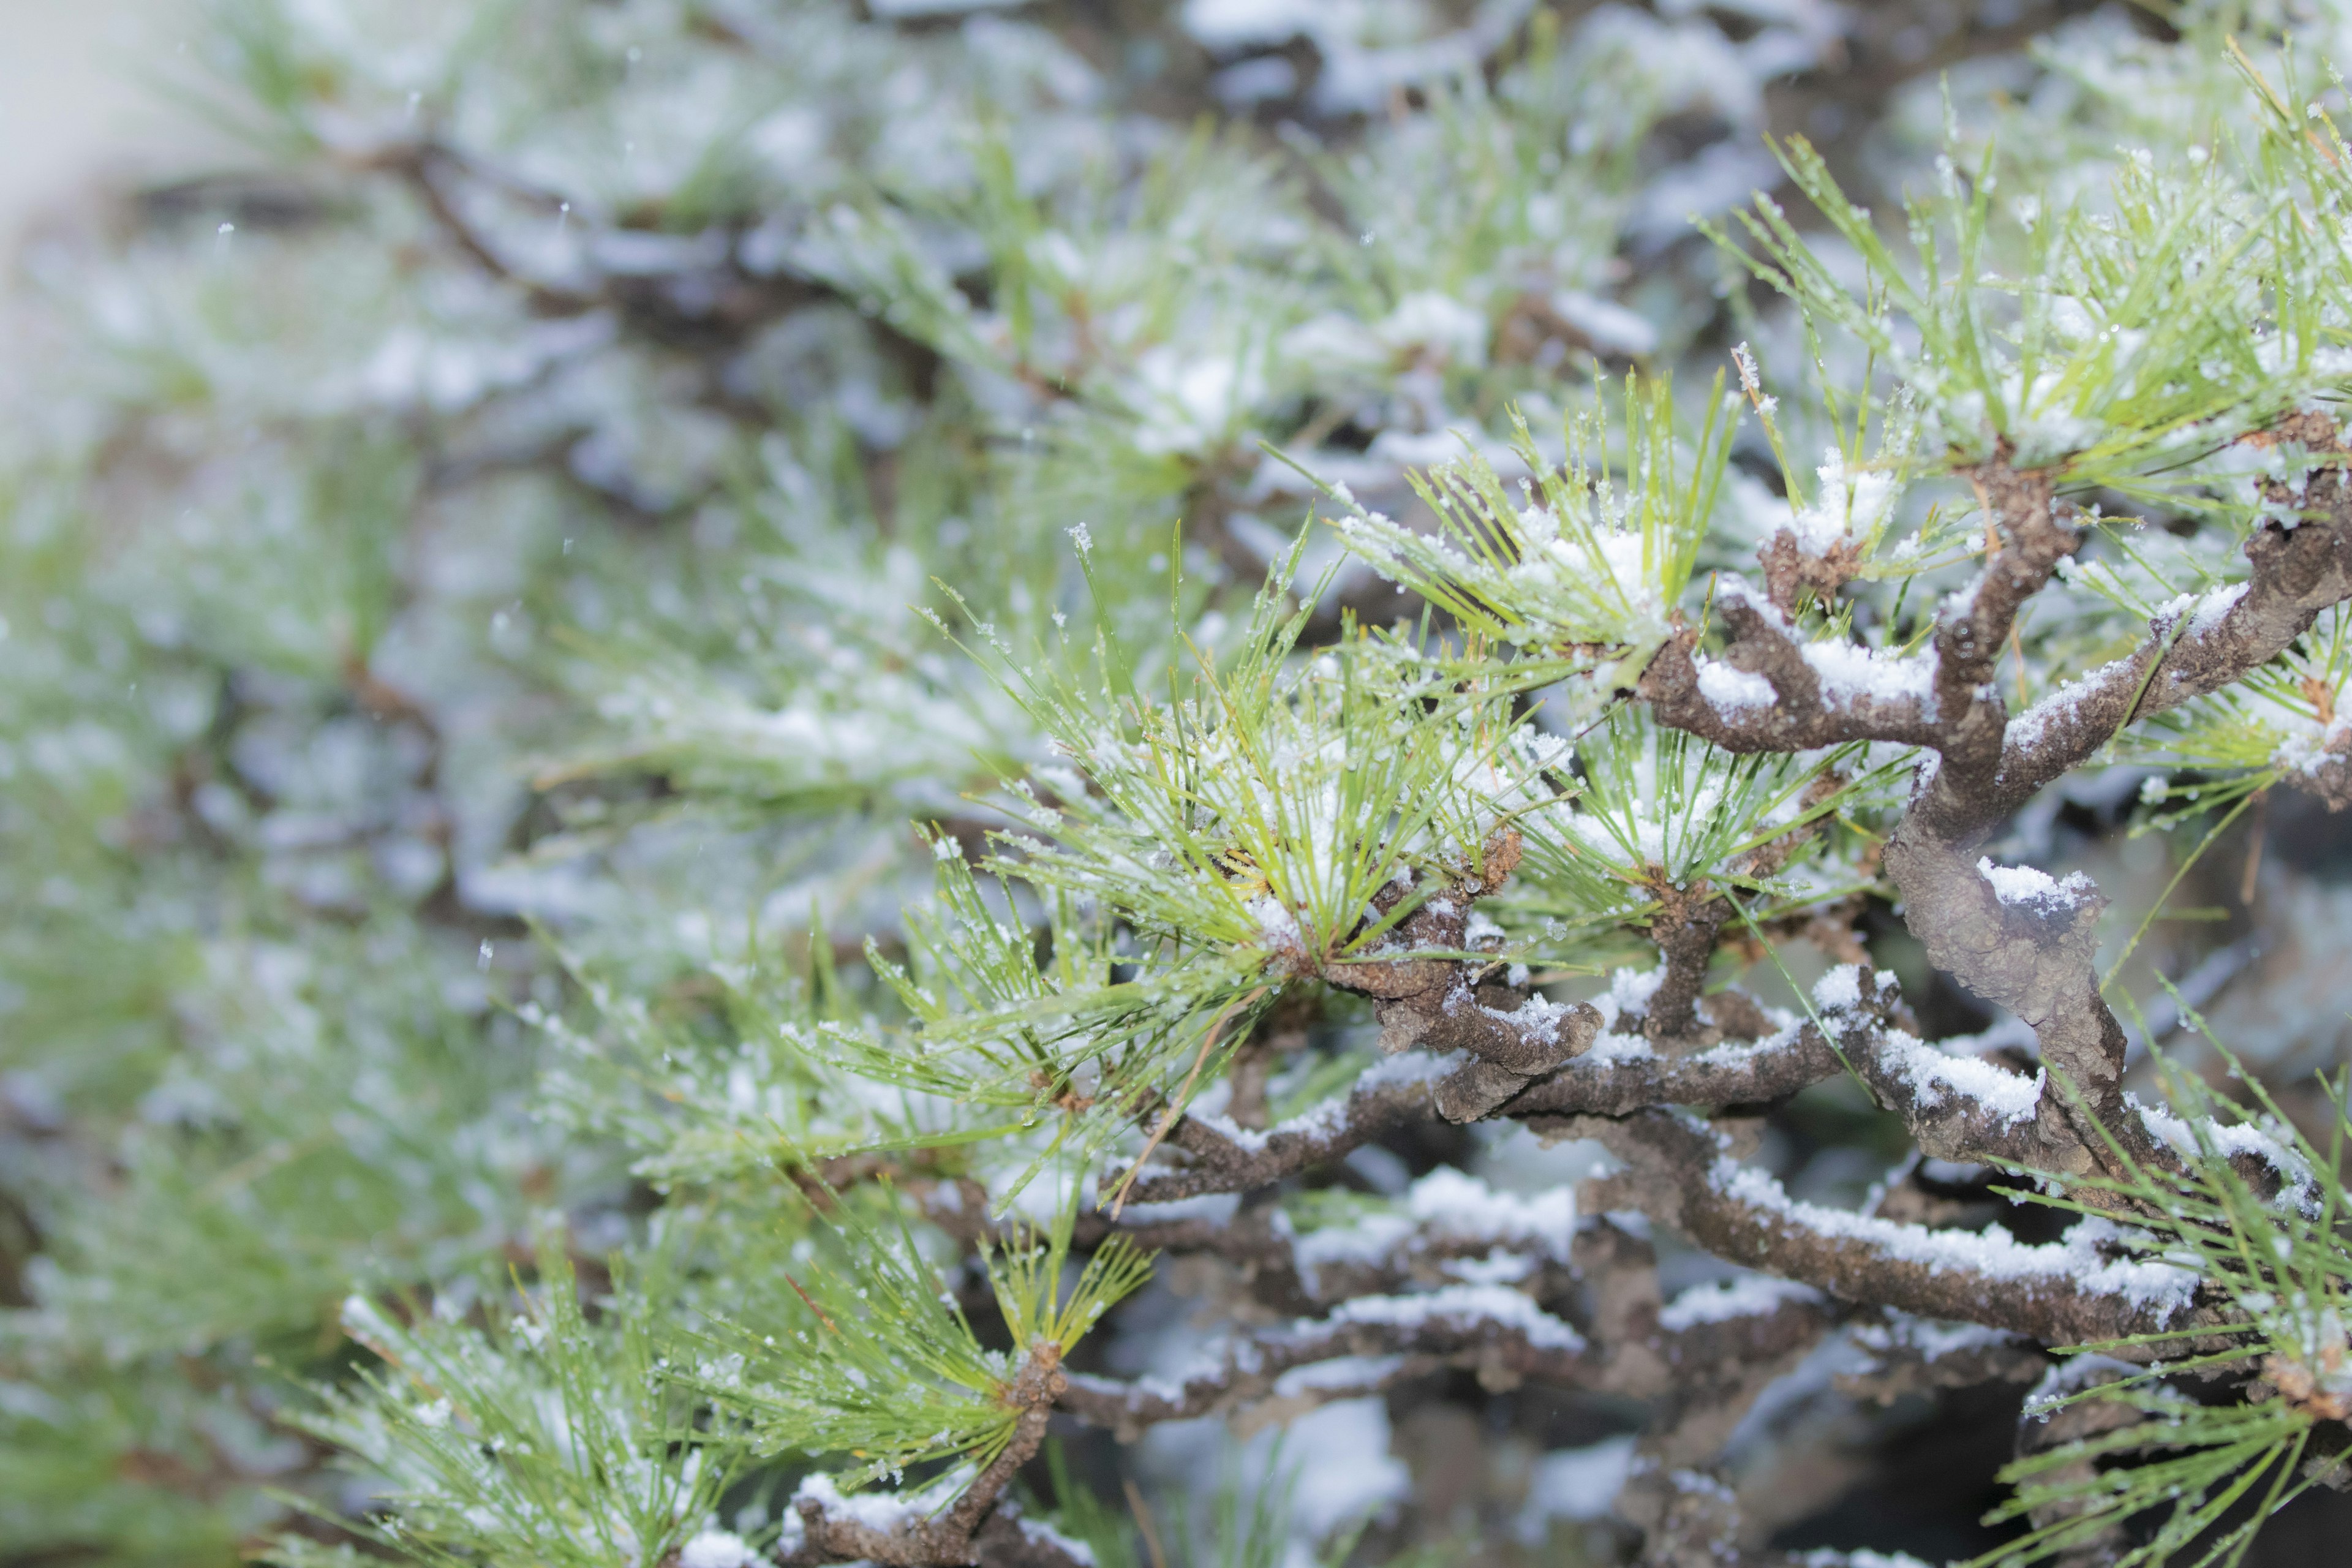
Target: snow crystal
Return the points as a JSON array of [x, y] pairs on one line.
[[1732, 691], [716, 1549], [2035, 890], [1750, 382], [1751, 1296]]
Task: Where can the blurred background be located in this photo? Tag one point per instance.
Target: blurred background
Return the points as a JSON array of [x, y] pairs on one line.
[[83, 106]]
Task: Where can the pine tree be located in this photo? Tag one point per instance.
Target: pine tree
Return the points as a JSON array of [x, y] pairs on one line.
[[793, 783]]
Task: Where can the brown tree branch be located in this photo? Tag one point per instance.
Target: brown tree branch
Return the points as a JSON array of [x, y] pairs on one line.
[[1228, 1159], [2073, 1292], [2014, 939], [1505, 1334], [1958, 1108], [1804, 712]]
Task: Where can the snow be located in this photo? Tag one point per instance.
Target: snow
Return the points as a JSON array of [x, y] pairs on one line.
[[1839, 990], [1217, 1208], [2212, 606], [1463, 1304], [2229, 1140], [1849, 504], [912, 10], [1436, 322], [1932, 1340], [1237, 24], [2028, 887], [1364, 53], [1044, 1534], [1952, 1067], [2308, 754], [716, 1549], [1446, 1206], [1329, 1116], [1347, 1373], [1608, 326], [1849, 674], [1934, 1075], [1733, 691], [1628, 997], [885, 1511], [1630, 990], [1189, 403], [1752, 1296], [1537, 1019], [2026, 730], [2073, 1263], [1343, 1470], [1254, 81], [1407, 1067], [1453, 1203], [1722, 177], [1574, 1483]]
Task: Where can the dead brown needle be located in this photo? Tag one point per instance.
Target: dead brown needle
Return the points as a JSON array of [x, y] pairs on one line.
[[1175, 1105]]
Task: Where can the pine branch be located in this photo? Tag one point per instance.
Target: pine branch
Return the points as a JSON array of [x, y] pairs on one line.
[[906, 1534]]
